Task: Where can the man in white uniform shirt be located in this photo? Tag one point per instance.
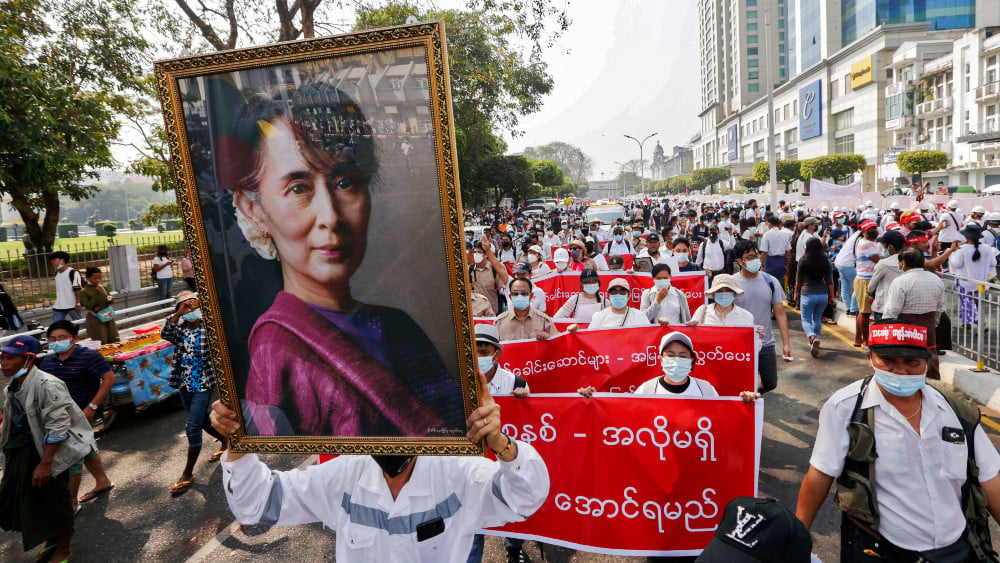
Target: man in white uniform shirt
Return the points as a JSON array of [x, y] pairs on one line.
[[950, 223], [811, 226], [654, 251], [712, 253], [773, 245], [905, 502]]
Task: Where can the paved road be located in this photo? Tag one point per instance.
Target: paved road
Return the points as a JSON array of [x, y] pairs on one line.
[[140, 521]]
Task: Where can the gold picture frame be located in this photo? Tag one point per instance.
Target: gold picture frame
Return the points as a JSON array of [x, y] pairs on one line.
[[344, 137]]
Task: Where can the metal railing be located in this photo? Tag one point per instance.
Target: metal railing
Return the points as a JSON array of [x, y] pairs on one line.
[[975, 320], [29, 279]]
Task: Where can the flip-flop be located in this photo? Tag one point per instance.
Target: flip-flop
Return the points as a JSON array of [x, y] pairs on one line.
[[96, 493], [44, 555], [181, 487], [216, 456]]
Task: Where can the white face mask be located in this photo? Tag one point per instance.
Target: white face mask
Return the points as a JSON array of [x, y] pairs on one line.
[[532, 258], [478, 257]]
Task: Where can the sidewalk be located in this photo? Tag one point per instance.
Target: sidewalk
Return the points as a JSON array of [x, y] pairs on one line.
[[956, 370]]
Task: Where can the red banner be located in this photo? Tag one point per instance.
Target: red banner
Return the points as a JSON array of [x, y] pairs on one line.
[[635, 475], [621, 359], [561, 324], [559, 288]]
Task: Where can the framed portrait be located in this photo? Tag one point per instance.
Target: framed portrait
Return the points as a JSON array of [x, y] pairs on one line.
[[319, 191]]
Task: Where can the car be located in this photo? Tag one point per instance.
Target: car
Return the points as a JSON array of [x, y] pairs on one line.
[[535, 210], [898, 190], [992, 190], [606, 213], [477, 231]]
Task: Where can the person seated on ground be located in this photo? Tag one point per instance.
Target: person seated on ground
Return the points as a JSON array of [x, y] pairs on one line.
[[663, 303], [619, 315], [486, 493], [523, 321], [585, 304], [678, 359]]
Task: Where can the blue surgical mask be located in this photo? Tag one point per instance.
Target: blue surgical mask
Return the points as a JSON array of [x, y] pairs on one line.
[[725, 298], [60, 346], [636, 234], [885, 253], [20, 373], [618, 238], [192, 316], [591, 288], [899, 385], [618, 301], [520, 302], [681, 257], [753, 266], [485, 363], [662, 284], [676, 369]]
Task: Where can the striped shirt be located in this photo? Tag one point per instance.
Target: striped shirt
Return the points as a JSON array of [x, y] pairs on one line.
[[81, 372]]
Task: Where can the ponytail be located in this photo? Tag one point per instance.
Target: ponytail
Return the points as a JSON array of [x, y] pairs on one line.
[[976, 255]]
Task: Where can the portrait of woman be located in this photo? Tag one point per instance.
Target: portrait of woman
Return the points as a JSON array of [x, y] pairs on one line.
[[298, 179]]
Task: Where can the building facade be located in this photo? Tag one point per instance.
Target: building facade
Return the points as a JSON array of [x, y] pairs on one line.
[[859, 17]]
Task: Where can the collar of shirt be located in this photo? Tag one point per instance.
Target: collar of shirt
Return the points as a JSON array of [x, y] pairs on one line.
[[930, 398]]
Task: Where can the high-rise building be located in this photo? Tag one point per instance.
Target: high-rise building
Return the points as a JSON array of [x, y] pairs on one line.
[[861, 16], [733, 66], [813, 32]]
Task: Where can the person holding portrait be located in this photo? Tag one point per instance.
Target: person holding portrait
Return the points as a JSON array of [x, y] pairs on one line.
[[321, 362]]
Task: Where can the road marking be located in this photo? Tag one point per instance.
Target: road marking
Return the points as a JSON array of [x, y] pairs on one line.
[[836, 333], [228, 531], [990, 422]]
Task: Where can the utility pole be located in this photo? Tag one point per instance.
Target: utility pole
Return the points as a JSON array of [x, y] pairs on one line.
[[769, 76]]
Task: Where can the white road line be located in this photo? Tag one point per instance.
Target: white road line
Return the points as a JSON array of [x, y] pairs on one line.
[[228, 531]]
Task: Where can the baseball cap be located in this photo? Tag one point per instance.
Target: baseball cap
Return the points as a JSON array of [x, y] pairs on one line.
[[522, 268], [894, 238], [560, 255], [535, 248], [185, 296], [589, 274], [868, 224], [618, 282], [22, 344], [488, 333], [895, 338], [810, 221], [758, 530], [676, 336]]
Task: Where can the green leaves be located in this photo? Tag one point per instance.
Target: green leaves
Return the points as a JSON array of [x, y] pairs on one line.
[[836, 166], [918, 162]]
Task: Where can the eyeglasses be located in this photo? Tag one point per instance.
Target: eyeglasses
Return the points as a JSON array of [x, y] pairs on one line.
[[520, 294]]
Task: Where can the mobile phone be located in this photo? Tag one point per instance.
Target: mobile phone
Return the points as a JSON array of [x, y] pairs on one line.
[[430, 529]]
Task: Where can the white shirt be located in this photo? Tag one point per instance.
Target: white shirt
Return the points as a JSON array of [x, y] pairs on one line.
[[706, 315], [67, 281], [620, 248], [846, 258], [800, 245], [503, 382], [580, 308], [167, 272], [961, 264], [661, 258], [669, 309], [776, 242], [950, 233], [469, 493], [607, 318], [712, 255], [694, 389], [918, 478]]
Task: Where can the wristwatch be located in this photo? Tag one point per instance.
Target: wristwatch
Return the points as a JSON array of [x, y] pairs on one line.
[[93, 407]]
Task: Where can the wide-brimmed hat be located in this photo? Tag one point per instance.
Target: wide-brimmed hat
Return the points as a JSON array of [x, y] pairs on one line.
[[724, 281], [896, 338], [972, 231]]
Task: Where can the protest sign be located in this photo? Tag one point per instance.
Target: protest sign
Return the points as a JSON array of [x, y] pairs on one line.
[[621, 359], [560, 288], [635, 476]]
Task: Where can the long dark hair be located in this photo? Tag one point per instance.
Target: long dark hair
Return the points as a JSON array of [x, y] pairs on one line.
[[814, 261]]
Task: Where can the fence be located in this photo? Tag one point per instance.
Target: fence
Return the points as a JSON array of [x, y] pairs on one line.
[[29, 279], [975, 321]]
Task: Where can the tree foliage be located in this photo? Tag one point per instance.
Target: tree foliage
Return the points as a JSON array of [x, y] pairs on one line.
[[707, 177], [72, 70], [547, 173], [678, 184], [158, 212], [575, 164], [508, 176], [918, 162], [787, 171], [750, 182], [836, 166]]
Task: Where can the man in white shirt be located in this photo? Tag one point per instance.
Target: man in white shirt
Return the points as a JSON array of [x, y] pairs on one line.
[[654, 251], [811, 226], [950, 224], [775, 243], [69, 282], [394, 508], [619, 246], [922, 439], [489, 349], [712, 253]]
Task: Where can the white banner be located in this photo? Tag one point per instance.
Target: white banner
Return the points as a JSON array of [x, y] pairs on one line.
[[819, 189]]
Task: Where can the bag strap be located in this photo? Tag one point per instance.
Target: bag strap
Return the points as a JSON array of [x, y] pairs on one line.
[[861, 416]]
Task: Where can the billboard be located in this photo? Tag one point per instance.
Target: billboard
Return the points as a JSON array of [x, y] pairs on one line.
[[811, 111], [862, 73], [734, 142]]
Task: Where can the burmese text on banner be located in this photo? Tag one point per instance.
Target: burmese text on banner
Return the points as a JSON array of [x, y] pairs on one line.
[[635, 475], [559, 288], [621, 359]]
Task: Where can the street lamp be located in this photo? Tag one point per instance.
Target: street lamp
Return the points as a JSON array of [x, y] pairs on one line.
[[642, 179]]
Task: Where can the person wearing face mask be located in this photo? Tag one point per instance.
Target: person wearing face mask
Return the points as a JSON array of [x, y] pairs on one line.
[[488, 275], [763, 297], [723, 310], [867, 254], [585, 304], [619, 315], [96, 299], [507, 252], [489, 347], [563, 264], [535, 257], [654, 251], [599, 234], [712, 253], [578, 253], [663, 303], [619, 246], [192, 374], [524, 320], [916, 296], [682, 257], [42, 435], [919, 498]]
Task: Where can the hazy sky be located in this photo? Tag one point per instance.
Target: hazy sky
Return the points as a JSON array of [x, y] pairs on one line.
[[624, 67]]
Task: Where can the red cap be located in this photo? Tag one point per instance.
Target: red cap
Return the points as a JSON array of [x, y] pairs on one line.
[[892, 337], [868, 224]]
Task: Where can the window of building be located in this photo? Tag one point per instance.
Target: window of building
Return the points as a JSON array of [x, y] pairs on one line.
[[751, 14], [751, 27], [792, 154], [844, 145], [781, 72], [781, 36], [791, 136], [753, 75], [781, 24], [781, 12], [751, 38], [751, 3], [781, 59], [752, 51], [781, 48], [753, 88], [843, 120], [753, 63], [834, 89], [795, 108]]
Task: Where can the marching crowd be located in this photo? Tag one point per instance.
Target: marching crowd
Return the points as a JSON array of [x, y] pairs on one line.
[[924, 496]]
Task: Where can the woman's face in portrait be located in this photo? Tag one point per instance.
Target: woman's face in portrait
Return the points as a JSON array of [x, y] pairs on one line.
[[315, 210]]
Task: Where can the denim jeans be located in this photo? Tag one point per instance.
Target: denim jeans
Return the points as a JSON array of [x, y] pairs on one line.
[[197, 405], [164, 284], [847, 275], [812, 305], [71, 314]]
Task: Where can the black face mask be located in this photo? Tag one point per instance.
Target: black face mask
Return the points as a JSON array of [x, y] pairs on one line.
[[505, 244], [393, 465], [585, 231]]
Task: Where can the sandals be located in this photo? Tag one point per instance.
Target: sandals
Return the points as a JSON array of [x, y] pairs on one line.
[[91, 495], [45, 554], [181, 487], [216, 456]]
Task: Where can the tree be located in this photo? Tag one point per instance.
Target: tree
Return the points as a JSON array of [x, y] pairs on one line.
[[918, 162], [72, 71], [707, 177], [575, 164], [788, 171], [836, 166], [751, 183], [508, 176], [678, 184], [547, 172], [157, 212]]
